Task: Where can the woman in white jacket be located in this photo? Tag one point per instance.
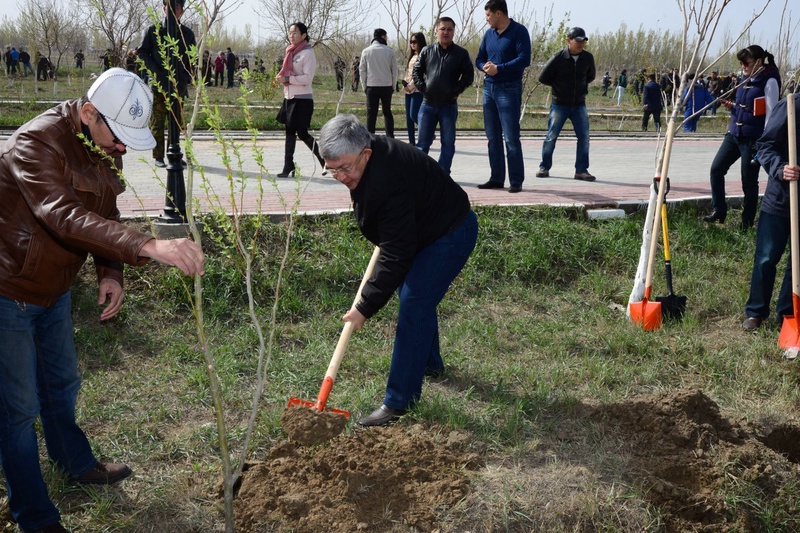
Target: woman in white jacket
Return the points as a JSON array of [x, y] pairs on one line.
[[296, 75]]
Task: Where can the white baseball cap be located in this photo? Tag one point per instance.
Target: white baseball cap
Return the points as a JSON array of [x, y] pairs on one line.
[[126, 104]]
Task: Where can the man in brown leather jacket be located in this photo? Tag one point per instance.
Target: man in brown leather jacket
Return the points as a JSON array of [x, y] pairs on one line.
[[59, 182]]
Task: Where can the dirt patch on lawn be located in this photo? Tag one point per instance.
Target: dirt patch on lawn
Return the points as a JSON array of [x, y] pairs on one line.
[[692, 463], [372, 480], [683, 457]]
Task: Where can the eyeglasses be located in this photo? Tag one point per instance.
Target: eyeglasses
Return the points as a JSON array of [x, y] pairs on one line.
[[115, 140], [413, 41], [345, 170]]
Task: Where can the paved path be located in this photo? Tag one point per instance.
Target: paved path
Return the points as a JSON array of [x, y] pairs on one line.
[[623, 166]]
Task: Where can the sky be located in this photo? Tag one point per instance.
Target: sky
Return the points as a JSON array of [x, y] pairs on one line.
[[601, 16], [592, 15]]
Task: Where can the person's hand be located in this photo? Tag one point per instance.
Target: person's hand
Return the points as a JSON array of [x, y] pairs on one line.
[[728, 104], [184, 254], [791, 172], [490, 69], [113, 293], [355, 316]]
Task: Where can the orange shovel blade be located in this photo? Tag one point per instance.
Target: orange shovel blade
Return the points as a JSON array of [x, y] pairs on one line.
[[790, 334], [313, 405], [647, 314]]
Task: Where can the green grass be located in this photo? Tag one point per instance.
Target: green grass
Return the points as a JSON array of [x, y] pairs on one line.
[[265, 101], [534, 326]]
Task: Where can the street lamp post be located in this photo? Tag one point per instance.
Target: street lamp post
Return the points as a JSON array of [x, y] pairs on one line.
[[175, 203]]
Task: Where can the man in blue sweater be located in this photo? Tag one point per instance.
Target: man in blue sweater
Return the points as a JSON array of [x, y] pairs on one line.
[[504, 55]]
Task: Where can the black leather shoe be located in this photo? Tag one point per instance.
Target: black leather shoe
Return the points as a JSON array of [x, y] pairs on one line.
[[285, 174], [752, 323], [382, 416], [490, 185], [716, 216], [104, 474], [515, 188]]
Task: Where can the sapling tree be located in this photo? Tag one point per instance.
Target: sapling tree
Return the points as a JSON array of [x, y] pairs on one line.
[[701, 19], [223, 225]]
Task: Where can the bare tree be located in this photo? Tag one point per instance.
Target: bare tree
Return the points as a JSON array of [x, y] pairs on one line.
[[120, 22], [52, 26], [404, 17], [701, 19], [328, 21], [786, 46]]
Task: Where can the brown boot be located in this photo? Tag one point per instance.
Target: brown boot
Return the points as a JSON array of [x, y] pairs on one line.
[[104, 474]]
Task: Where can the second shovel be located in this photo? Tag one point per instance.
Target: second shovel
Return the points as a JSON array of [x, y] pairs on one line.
[[672, 306]]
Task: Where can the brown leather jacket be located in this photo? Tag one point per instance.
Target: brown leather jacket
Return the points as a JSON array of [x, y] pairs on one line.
[[58, 203]]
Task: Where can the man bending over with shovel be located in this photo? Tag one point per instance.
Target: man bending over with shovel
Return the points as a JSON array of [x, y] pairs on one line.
[[773, 224], [422, 221]]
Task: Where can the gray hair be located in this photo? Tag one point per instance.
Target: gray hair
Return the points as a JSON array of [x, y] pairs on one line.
[[341, 135]]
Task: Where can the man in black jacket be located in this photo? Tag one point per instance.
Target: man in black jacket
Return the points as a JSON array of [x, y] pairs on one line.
[[150, 54], [409, 206], [230, 66], [569, 73], [443, 71]]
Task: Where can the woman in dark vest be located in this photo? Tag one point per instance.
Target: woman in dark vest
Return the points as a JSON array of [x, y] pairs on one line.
[[757, 93]]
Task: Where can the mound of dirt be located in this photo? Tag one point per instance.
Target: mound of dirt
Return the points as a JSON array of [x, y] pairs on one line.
[[308, 426], [682, 452], [367, 481], [693, 466]]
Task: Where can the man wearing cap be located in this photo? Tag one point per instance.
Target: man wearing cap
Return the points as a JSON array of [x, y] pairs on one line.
[[150, 53], [378, 70], [504, 54], [568, 73], [59, 182]]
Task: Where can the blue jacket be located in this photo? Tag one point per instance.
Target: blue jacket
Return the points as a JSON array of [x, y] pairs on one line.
[[743, 123], [510, 51], [697, 99], [773, 155]]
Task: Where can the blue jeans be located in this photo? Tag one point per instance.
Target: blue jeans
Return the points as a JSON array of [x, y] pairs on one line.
[[445, 116], [413, 101], [38, 379], [501, 112], [733, 148], [416, 341], [771, 237], [580, 123]]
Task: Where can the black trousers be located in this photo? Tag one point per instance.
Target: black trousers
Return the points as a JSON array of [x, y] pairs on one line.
[[384, 96]]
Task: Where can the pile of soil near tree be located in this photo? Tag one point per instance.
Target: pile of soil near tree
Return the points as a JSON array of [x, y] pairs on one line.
[[677, 448]]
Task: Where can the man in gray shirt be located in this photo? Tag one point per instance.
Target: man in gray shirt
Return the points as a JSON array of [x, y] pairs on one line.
[[378, 69]]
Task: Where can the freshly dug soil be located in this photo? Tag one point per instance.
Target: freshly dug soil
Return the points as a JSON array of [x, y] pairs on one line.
[[367, 481], [685, 457], [308, 426]]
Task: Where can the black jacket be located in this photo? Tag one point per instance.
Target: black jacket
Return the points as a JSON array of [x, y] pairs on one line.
[[441, 74], [149, 53], [404, 202], [569, 79]]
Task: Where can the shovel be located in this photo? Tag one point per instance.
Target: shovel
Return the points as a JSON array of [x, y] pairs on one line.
[[338, 353], [672, 306], [789, 339], [648, 313]]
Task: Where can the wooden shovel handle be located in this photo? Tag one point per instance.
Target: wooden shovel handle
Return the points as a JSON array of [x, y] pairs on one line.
[[347, 330], [793, 203]]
